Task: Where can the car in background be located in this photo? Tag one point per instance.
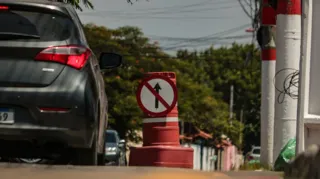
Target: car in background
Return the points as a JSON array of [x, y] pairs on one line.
[[254, 154], [115, 153], [51, 84]]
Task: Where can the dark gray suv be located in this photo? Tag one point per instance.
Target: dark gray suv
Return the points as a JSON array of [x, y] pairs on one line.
[[52, 95]]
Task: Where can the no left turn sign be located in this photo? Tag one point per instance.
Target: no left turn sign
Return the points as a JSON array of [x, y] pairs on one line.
[[157, 95]]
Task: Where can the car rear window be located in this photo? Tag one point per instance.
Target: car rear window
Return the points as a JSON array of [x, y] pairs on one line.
[[111, 137], [256, 151], [47, 26]]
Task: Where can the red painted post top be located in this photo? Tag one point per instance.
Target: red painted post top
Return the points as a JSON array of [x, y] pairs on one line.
[[268, 14], [171, 75], [289, 7]]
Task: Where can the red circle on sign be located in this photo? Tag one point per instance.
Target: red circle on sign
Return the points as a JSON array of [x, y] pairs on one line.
[[169, 108]]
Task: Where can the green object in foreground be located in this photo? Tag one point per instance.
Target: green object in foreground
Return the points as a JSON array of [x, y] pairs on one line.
[[286, 155], [253, 162]]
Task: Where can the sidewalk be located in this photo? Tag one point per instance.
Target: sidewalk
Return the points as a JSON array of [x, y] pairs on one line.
[[254, 175]]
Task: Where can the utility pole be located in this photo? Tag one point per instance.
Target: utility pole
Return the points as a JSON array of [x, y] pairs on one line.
[[266, 40], [241, 129], [288, 54], [231, 105]]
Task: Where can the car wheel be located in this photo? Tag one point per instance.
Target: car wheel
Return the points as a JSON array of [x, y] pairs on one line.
[[88, 156]]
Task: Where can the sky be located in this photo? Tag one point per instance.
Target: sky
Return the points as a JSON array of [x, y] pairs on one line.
[[176, 23]]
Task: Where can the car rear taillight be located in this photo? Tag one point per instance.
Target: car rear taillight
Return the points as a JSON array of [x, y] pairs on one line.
[[4, 8], [74, 56], [250, 157]]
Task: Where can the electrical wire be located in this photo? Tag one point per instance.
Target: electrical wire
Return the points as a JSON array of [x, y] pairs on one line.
[[147, 14], [175, 7], [169, 8], [155, 37], [210, 41], [290, 81], [205, 38], [164, 17], [214, 35]]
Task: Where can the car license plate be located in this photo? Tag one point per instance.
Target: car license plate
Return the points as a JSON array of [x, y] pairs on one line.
[[6, 116]]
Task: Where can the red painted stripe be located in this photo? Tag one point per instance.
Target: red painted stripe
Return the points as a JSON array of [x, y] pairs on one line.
[[161, 133], [268, 54], [290, 7], [268, 14]]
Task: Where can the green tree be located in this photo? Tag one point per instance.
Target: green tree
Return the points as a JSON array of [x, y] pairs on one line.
[[229, 66], [198, 102]]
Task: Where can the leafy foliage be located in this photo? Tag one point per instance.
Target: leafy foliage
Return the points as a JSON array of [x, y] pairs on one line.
[[203, 81], [226, 67]]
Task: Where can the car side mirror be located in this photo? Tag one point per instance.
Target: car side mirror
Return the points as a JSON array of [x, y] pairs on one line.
[[109, 60], [122, 143]]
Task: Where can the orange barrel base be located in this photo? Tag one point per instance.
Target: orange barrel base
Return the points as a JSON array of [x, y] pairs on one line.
[[161, 133], [162, 156]]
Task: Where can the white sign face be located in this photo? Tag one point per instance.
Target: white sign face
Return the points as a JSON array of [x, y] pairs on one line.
[[157, 103]]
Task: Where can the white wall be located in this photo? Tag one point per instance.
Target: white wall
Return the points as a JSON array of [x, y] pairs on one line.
[[309, 84], [207, 163], [314, 102]]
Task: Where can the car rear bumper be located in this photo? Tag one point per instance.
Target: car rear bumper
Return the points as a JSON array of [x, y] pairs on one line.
[[36, 141], [111, 156], [72, 126], [45, 135]]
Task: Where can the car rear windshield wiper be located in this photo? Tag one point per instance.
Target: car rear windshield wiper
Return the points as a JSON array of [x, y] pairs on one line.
[[16, 36]]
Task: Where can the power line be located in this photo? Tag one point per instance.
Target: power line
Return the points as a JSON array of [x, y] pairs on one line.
[[217, 42], [166, 17], [185, 38], [196, 10], [203, 38], [183, 6], [143, 14], [168, 8], [205, 43], [177, 6]]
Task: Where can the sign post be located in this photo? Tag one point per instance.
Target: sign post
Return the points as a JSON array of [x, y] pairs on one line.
[[157, 97]]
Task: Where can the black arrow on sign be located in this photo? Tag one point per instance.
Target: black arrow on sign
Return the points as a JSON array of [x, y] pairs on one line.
[[157, 87]]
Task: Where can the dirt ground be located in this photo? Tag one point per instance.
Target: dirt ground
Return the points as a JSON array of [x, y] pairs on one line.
[[23, 171]]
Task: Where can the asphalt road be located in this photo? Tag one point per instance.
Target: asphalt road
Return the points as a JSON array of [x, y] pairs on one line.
[[25, 171]]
